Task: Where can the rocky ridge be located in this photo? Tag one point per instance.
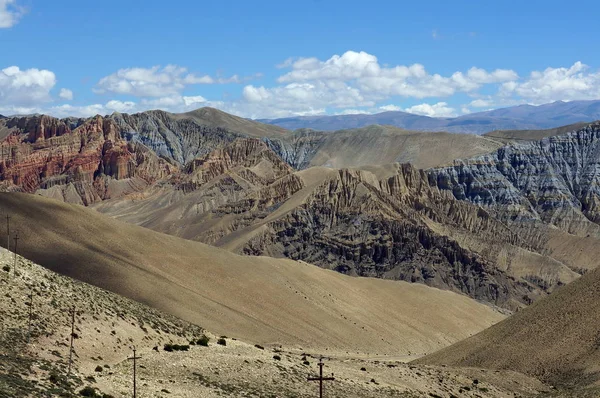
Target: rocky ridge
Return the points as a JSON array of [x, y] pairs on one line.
[[555, 180], [387, 222], [81, 162]]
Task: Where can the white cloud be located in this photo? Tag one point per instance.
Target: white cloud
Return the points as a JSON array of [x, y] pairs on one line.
[[388, 108], [156, 81], [351, 65], [481, 103], [441, 109], [25, 88], [299, 98], [357, 80], [573, 83], [10, 13], [66, 94], [120, 106], [354, 112]]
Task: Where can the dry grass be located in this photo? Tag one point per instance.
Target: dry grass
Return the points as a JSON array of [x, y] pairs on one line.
[[107, 325]]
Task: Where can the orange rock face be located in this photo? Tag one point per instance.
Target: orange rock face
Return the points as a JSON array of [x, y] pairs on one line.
[[91, 162]]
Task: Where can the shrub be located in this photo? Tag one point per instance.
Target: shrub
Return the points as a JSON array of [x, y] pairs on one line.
[[6, 268], [203, 341], [88, 392], [277, 357], [222, 341], [176, 347], [259, 346], [98, 368]]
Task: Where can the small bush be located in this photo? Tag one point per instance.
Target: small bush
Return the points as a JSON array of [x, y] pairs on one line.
[[6, 268], [277, 357], [176, 347], [203, 341], [363, 369], [88, 392], [259, 346], [98, 368], [306, 363], [222, 341]]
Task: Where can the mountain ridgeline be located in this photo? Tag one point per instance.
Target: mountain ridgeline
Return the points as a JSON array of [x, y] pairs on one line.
[[522, 117], [499, 226]]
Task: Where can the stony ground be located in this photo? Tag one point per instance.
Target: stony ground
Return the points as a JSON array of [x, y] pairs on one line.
[[108, 325]]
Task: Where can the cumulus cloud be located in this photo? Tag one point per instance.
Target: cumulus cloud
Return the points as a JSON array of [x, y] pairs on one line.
[[299, 98], [25, 88], [576, 82], [363, 71], [354, 112], [10, 13], [156, 81], [65, 94], [441, 109], [481, 103], [389, 108]]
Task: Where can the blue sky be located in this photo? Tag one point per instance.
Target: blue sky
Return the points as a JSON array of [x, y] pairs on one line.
[[268, 59]]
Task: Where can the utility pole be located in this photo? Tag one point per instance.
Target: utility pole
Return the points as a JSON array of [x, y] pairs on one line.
[[7, 232], [30, 314], [321, 379], [134, 357], [16, 238], [72, 336]]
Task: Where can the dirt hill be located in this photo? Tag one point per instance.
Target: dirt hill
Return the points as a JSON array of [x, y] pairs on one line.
[[258, 299], [555, 339], [107, 325]]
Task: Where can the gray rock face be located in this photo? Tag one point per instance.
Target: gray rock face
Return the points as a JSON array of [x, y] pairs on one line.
[[358, 225], [555, 180], [299, 149], [178, 139]]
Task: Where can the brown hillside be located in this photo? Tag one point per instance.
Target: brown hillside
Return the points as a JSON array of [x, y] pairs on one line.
[[555, 339], [258, 299]]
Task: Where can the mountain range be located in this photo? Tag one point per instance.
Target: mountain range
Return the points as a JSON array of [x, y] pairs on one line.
[[521, 117], [247, 228]]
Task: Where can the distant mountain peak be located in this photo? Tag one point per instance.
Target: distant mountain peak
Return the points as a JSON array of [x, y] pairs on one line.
[[519, 117]]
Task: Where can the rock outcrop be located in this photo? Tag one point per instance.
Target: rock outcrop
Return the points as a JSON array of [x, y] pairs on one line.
[[77, 161], [178, 139], [555, 180]]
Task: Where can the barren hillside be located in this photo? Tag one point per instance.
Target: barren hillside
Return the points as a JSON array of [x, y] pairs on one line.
[[258, 299], [555, 339], [107, 325]]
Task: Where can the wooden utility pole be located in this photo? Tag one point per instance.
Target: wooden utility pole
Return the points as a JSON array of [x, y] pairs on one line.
[[321, 379], [30, 315], [15, 265], [7, 232], [72, 336], [134, 358]]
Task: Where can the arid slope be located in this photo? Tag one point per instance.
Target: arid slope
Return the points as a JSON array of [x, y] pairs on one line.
[[378, 145], [106, 325], [258, 299], [555, 339]]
